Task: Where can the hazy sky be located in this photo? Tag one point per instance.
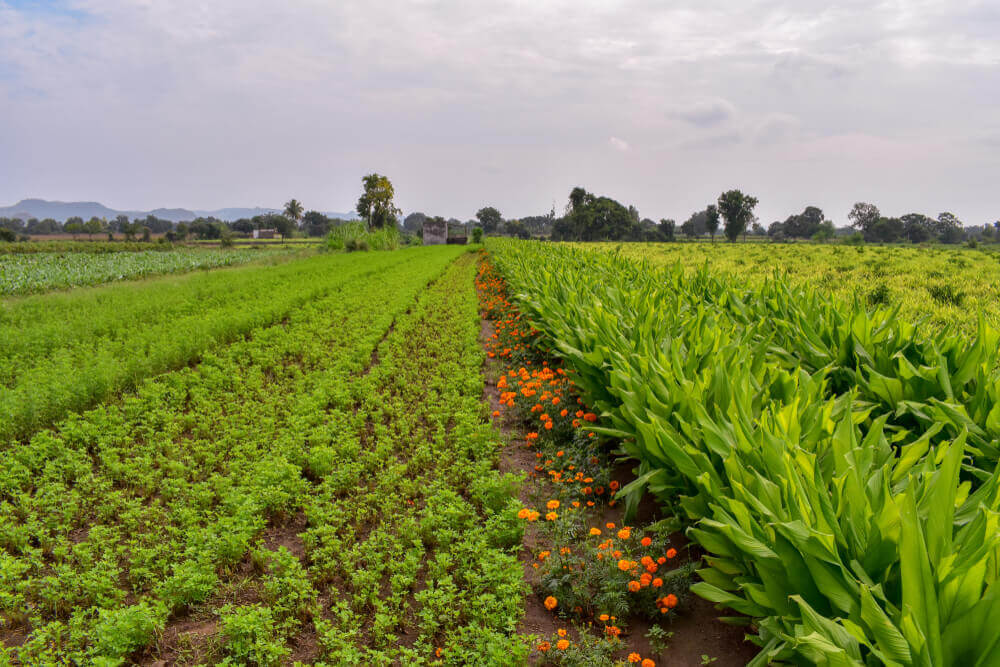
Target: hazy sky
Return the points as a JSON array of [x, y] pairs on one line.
[[663, 105]]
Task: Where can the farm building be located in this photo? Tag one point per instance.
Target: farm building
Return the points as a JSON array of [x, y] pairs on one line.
[[435, 232]]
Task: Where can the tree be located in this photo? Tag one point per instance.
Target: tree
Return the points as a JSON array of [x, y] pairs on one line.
[[804, 225], [283, 225], [316, 224], [489, 219], [7, 235], [243, 226], [696, 225], [667, 229], [375, 205], [119, 224], [917, 227], [293, 210], [414, 222], [182, 231], [736, 209], [74, 228], [593, 218], [864, 217], [94, 226], [516, 229], [712, 220], [949, 228]]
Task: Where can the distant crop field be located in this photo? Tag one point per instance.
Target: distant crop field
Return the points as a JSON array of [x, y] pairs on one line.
[[944, 285], [39, 272]]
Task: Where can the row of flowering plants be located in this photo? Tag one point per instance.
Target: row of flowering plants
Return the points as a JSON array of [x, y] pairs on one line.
[[594, 575]]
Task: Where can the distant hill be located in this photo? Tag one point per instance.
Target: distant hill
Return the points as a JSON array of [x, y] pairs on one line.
[[57, 210]]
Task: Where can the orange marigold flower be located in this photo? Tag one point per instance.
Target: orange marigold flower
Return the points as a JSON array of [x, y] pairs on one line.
[[624, 565], [634, 586], [438, 651], [564, 412], [657, 582], [551, 516], [671, 553], [579, 413], [523, 513], [595, 531], [613, 485], [661, 560], [551, 603], [552, 505], [548, 426], [624, 534], [609, 526], [590, 416], [496, 413], [555, 401], [603, 617], [587, 491], [645, 579], [561, 632], [542, 555], [562, 644], [544, 646], [670, 601], [648, 663], [634, 657], [646, 541]]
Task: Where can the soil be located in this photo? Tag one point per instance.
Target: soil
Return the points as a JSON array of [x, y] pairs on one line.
[[697, 630]]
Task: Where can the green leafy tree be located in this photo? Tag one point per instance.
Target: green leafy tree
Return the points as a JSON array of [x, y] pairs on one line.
[[667, 227], [283, 225], [94, 226], [414, 222], [712, 220], [864, 217], [315, 223], [7, 235], [293, 210], [490, 219], [736, 209], [375, 206]]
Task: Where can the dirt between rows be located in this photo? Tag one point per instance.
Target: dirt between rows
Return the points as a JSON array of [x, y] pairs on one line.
[[697, 631]]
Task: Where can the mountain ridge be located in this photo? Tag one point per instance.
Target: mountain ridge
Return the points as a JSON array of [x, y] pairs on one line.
[[60, 211]]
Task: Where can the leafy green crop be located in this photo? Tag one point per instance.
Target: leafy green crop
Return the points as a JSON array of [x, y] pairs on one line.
[[40, 272], [305, 479], [839, 463]]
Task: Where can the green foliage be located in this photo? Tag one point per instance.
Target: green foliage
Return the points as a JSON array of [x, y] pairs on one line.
[[836, 462], [736, 209], [280, 485], [477, 235], [375, 206], [41, 272]]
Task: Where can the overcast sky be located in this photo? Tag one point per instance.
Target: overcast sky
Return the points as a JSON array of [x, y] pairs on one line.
[[145, 103]]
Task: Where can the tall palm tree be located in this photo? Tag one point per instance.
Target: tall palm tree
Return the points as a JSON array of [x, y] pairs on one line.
[[293, 209]]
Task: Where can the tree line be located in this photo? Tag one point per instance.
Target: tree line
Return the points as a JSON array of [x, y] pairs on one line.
[[589, 217]]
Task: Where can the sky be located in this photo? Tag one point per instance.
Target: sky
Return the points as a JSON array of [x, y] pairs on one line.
[[663, 105]]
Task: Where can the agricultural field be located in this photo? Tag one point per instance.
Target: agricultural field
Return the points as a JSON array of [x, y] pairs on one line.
[[528, 453], [946, 286], [26, 273], [835, 465], [321, 489]]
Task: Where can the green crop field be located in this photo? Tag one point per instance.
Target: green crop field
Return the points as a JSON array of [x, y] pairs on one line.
[[837, 465], [26, 273], [523, 453], [945, 286]]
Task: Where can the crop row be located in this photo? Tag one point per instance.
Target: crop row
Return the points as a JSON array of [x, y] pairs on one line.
[[40, 272], [64, 352], [284, 486], [839, 464], [950, 287]]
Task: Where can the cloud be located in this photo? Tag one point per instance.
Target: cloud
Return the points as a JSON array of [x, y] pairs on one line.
[[705, 113], [619, 144], [774, 128], [204, 105]]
